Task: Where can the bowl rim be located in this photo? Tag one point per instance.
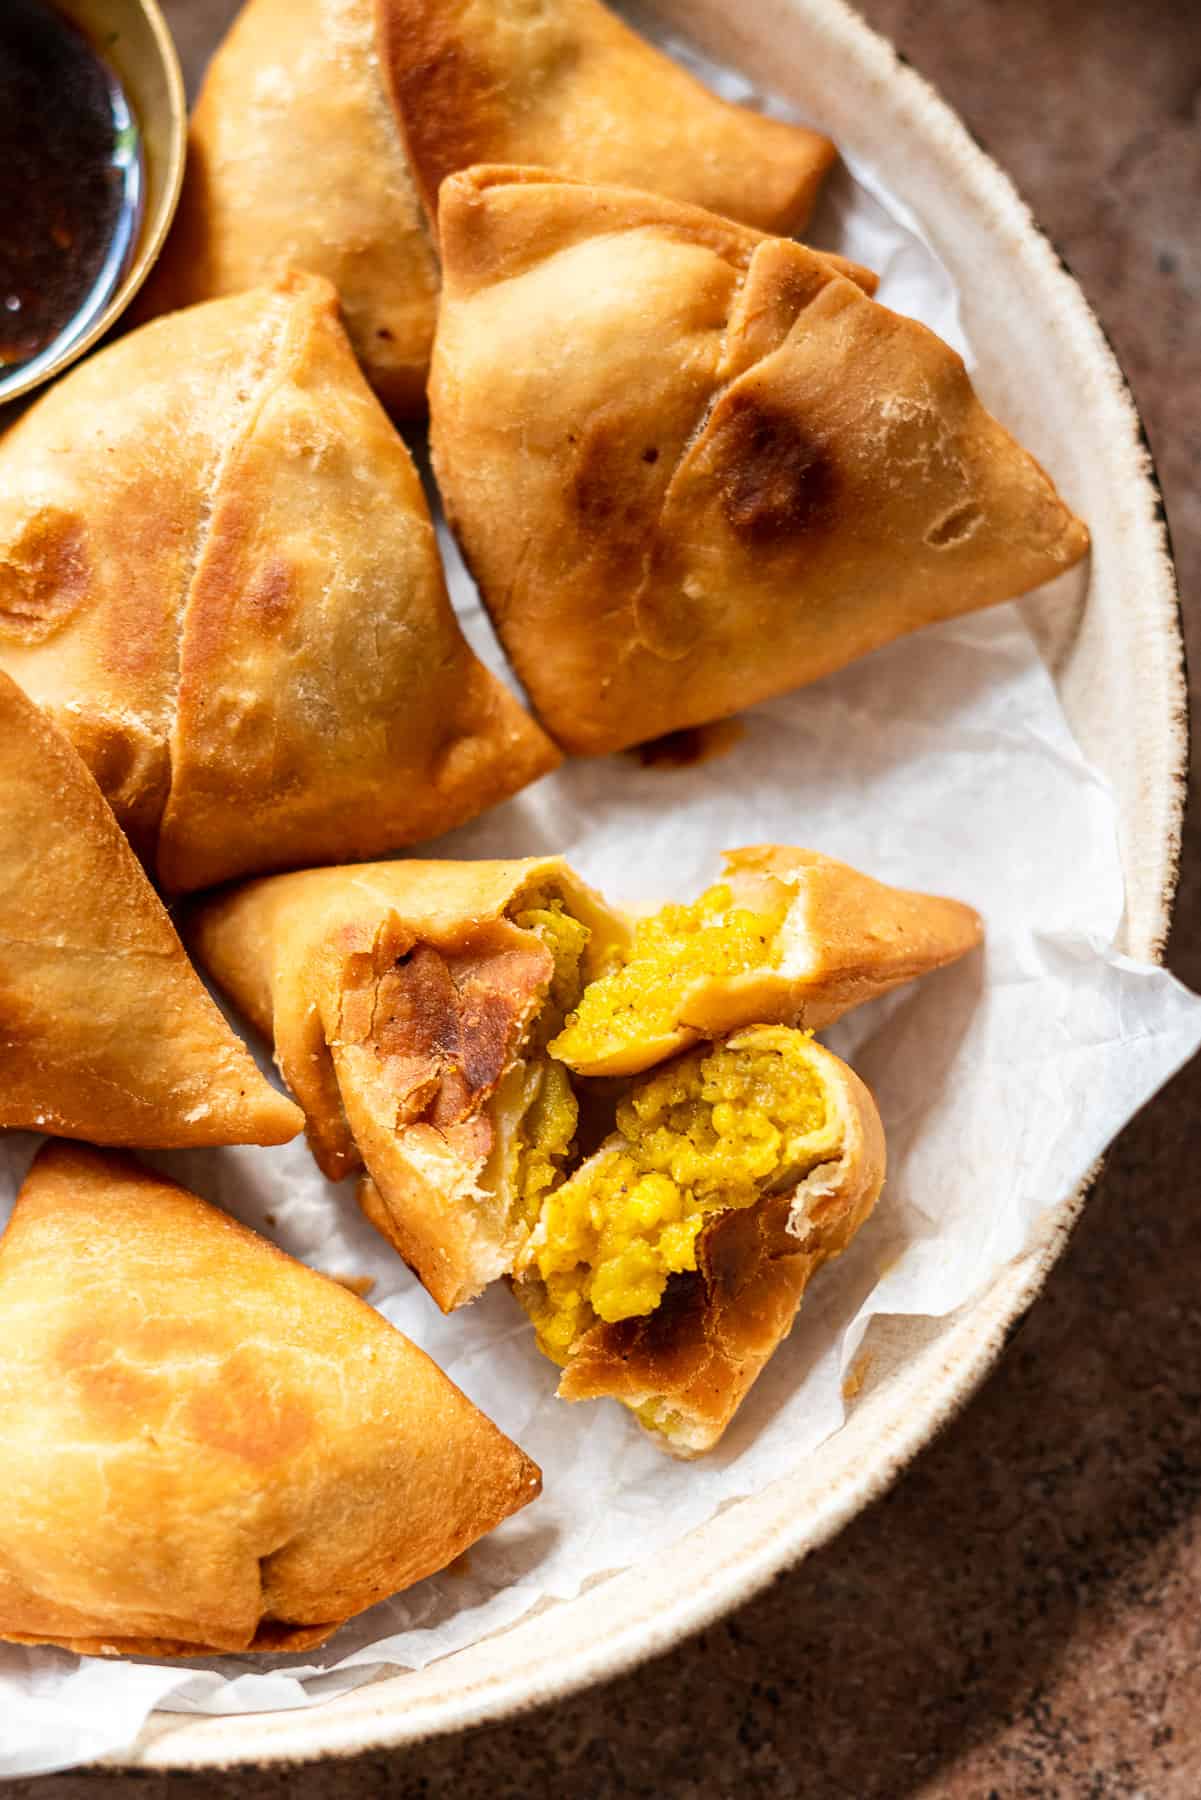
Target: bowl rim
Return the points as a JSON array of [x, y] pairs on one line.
[[354, 1724]]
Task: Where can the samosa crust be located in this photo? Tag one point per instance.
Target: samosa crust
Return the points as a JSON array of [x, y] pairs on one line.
[[105, 1030], [691, 466], [397, 996], [295, 161], [209, 1447], [566, 85], [324, 125], [219, 574], [841, 940]]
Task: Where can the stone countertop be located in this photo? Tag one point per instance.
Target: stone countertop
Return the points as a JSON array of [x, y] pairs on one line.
[[1019, 1616]]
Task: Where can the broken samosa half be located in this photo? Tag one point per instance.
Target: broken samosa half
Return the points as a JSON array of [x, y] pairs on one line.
[[207, 1446], [325, 126], [105, 1030], [218, 573], [666, 1270], [691, 466], [410, 1005], [786, 937]]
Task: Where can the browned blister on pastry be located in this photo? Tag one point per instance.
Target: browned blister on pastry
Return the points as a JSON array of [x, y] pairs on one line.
[[105, 1030], [219, 574], [323, 125], [209, 1447], [410, 1005], [669, 1267], [786, 937], [691, 466]]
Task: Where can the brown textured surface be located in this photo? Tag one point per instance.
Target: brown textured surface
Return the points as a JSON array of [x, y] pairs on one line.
[[1019, 1617]]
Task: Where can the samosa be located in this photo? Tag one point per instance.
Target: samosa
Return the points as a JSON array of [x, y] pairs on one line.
[[105, 1030], [786, 937], [219, 575], [324, 128], [669, 1266], [429, 1017], [207, 1446], [410, 1005], [692, 466]]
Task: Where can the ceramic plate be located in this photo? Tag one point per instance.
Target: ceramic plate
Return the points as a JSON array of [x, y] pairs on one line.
[[1045, 367]]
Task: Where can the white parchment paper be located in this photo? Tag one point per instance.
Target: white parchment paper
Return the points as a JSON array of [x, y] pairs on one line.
[[943, 762]]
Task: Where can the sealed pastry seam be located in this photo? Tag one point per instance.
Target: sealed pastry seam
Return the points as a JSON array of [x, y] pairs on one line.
[[726, 470], [264, 370], [730, 369], [263, 667]]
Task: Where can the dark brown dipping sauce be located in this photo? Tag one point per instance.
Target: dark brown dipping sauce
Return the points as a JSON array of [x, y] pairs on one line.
[[70, 182]]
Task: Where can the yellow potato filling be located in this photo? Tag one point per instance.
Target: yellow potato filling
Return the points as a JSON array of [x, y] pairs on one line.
[[671, 949], [716, 1129], [566, 939], [546, 1127]]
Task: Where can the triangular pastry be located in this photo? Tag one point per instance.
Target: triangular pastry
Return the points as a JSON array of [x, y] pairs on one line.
[[219, 574], [426, 1015], [207, 1446], [410, 1005], [691, 466], [567, 85], [787, 937], [105, 1030], [323, 125]]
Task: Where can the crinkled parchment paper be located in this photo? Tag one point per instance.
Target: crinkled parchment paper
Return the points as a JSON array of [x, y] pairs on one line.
[[943, 762]]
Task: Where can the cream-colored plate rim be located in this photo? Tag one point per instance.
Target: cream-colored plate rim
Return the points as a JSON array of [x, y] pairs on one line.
[[510, 1680]]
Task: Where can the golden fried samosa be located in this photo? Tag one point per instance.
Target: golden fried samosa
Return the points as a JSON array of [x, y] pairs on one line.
[[666, 1270], [207, 1446], [691, 466], [105, 1030], [787, 937], [410, 1005], [218, 573], [565, 84], [323, 124]]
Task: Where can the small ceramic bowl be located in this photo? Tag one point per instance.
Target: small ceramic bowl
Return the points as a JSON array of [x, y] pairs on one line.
[[133, 39]]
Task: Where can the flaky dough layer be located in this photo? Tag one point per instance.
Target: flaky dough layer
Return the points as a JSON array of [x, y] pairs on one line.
[[311, 959], [691, 466], [105, 1030], [325, 127], [209, 1447], [218, 572]]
